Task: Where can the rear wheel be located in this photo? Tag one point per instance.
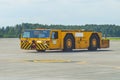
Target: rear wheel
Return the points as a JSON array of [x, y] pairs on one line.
[[69, 43], [93, 43]]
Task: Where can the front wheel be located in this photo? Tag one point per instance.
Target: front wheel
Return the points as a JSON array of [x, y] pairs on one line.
[[69, 43]]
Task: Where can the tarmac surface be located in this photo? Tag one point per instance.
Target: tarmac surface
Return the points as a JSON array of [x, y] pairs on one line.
[[17, 64]]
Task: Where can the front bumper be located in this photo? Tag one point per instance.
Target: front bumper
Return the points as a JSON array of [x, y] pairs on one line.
[[34, 45]]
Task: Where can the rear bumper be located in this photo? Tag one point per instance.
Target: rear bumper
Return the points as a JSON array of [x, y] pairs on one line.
[[105, 43]]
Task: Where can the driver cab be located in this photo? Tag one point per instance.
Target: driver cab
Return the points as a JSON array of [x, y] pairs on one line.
[[55, 39]]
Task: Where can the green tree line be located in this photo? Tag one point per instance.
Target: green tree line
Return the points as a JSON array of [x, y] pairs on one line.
[[15, 31]]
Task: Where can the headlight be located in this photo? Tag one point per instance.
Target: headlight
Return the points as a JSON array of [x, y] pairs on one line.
[[39, 41]]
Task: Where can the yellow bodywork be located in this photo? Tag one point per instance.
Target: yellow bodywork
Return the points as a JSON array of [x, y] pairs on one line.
[[81, 37]]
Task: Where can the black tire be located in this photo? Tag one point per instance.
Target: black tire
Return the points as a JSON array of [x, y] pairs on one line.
[[69, 43], [92, 46]]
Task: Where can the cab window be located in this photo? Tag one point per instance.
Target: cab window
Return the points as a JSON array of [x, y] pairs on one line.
[[54, 35]]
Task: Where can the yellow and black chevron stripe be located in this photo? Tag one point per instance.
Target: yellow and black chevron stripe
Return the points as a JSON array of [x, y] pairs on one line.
[[41, 46], [25, 45], [38, 46]]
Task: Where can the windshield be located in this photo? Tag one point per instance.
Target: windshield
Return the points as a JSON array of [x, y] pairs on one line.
[[36, 34]]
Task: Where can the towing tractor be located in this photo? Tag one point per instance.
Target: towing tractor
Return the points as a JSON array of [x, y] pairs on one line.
[[66, 40]]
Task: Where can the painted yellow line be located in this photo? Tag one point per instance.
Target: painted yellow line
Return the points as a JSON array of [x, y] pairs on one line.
[[118, 67], [57, 61], [81, 62], [50, 61], [110, 66]]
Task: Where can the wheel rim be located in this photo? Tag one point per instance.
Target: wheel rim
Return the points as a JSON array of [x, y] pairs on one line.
[[69, 43], [94, 42]]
